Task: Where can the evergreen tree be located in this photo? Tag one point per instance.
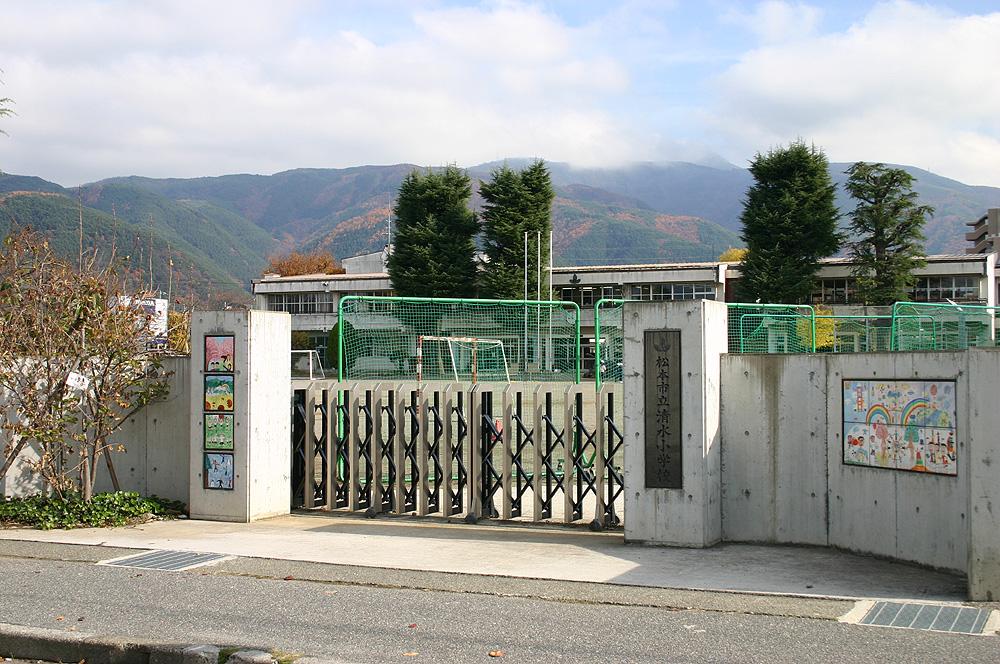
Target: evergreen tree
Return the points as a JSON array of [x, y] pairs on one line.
[[887, 225], [433, 252], [515, 203], [789, 223]]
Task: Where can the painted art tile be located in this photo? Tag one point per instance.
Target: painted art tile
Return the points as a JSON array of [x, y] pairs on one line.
[[219, 471], [219, 431], [903, 425], [856, 400], [220, 353], [219, 393]]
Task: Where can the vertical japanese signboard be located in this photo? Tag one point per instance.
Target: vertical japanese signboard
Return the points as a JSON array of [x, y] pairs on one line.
[[662, 401]]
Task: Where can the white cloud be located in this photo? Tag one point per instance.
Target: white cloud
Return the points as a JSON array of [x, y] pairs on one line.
[[908, 84], [776, 21], [194, 88]]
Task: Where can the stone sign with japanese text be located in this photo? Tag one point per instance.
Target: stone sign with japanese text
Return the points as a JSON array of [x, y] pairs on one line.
[[662, 394]]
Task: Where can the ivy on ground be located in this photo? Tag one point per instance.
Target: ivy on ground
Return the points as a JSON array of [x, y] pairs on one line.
[[105, 509]]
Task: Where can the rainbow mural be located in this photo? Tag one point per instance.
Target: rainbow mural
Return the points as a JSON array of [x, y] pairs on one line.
[[901, 425]]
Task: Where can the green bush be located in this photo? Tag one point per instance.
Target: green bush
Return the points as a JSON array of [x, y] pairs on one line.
[[105, 509]]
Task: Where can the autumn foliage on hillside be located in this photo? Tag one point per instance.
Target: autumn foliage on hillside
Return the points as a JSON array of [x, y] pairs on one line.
[[296, 263]]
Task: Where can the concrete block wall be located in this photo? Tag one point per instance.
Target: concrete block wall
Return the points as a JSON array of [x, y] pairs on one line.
[[784, 480]]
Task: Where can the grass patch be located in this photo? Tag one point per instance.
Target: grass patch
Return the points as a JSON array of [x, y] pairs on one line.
[[104, 509]]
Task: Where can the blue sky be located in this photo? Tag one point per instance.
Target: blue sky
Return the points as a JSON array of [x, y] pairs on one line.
[[192, 88]]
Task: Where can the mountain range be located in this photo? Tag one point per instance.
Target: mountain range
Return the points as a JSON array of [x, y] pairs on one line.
[[211, 235]]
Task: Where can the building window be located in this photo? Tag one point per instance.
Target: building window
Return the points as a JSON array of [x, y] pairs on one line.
[[302, 303], [835, 291], [680, 291], [588, 296], [942, 289]]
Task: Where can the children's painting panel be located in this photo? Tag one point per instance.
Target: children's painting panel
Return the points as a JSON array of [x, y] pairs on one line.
[[220, 353], [220, 433], [901, 425], [219, 471], [219, 393]]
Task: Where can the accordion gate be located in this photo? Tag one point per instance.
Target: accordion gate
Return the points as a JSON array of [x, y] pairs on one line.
[[530, 452]]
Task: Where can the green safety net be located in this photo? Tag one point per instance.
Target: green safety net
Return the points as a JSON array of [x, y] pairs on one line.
[[853, 334], [485, 340], [771, 328], [933, 326], [609, 341]]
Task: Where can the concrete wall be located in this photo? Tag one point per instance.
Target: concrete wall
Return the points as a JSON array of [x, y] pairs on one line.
[[262, 415], [155, 441], [690, 516], [774, 451], [155, 460], [783, 475], [984, 475]]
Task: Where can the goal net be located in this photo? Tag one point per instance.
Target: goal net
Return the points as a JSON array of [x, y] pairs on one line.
[[472, 359], [514, 340]]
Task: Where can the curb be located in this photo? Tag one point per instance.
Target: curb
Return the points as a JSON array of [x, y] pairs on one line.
[[55, 645], [24, 642]]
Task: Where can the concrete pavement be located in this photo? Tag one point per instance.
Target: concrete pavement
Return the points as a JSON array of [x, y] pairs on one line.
[[558, 554]]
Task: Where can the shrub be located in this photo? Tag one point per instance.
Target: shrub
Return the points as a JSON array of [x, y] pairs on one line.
[[105, 509]]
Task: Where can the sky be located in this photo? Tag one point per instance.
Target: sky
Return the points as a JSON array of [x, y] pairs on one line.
[[184, 89]]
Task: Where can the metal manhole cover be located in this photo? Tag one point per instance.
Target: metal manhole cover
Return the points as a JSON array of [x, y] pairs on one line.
[[930, 617], [172, 561]]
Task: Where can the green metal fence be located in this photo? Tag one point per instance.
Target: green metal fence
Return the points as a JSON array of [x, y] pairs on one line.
[[461, 340], [770, 328], [933, 326], [853, 334], [609, 341]]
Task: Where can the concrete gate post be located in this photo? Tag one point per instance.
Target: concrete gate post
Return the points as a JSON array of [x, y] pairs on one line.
[[984, 475], [240, 415], [673, 484]]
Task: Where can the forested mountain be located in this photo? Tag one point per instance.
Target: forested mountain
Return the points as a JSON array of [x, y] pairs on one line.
[[220, 230]]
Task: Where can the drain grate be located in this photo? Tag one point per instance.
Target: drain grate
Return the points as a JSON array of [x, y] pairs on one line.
[[171, 561], [931, 617]]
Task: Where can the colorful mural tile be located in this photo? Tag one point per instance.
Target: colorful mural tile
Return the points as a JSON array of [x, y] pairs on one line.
[[219, 471], [902, 425], [219, 431], [219, 393], [220, 353]]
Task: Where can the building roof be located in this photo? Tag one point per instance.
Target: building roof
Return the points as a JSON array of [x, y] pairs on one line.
[[836, 260], [272, 278]]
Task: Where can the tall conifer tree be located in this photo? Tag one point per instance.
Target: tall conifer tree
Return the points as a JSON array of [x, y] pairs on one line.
[[515, 203], [887, 223], [433, 252], [789, 223]]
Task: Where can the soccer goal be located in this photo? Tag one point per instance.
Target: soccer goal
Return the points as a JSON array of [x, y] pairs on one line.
[[472, 359], [522, 340]]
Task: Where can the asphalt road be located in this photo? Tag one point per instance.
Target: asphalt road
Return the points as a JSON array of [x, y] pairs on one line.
[[351, 622]]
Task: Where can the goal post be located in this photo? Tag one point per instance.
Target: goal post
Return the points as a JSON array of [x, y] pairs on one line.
[[477, 348], [516, 340]]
